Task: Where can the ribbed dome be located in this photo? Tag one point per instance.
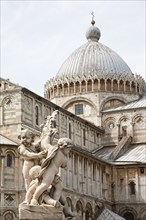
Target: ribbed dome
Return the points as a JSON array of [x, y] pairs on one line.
[[93, 67], [93, 58]]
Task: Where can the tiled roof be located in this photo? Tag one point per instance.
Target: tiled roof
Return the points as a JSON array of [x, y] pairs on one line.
[[140, 103], [135, 153], [104, 153], [4, 140], [109, 215]]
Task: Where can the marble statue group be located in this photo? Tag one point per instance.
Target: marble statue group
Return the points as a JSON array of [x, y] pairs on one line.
[[42, 161]]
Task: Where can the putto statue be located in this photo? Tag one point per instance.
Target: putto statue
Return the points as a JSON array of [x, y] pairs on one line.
[[41, 171]]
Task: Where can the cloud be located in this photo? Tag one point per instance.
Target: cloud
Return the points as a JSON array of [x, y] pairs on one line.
[[37, 36]]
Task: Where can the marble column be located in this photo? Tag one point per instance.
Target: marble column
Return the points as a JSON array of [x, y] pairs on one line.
[[2, 169]]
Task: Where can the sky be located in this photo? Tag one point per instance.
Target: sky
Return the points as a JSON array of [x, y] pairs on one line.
[[38, 36]]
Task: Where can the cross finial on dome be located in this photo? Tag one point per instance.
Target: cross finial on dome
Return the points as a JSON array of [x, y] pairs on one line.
[[92, 22]]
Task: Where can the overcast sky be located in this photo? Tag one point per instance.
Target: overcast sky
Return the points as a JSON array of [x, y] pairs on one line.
[[37, 36]]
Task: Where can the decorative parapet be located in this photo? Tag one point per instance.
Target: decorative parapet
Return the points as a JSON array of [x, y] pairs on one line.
[[62, 86]]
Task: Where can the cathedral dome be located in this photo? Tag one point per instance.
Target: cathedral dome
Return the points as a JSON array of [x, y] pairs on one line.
[[93, 67], [94, 58]]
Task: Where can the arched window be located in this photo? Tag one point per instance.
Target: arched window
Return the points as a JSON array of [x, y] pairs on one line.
[[108, 85], [128, 216], [9, 160], [132, 188], [84, 136], [115, 85], [95, 85], [71, 88], [83, 86], [89, 85], [37, 115], [87, 215], [79, 208], [65, 89], [70, 130], [88, 212], [102, 84], [70, 205]]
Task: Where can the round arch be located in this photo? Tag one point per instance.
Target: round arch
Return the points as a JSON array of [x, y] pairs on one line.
[[78, 99], [70, 203], [106, 100], [143, 213], [79, 209], [128, 216], [140, 116], [8, 97], [109, 119], [88, 211], [130, 212], [11, 151], [124, 117]]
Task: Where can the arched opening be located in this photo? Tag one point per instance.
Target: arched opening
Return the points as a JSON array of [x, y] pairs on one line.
[[128, 216], [97, 211], [71, 88], [37, 115], [9, 179], [69, 208], [60, 90], [51, 93], [48, 94], [108, 85], [133, 87], [77, 87], [127, 86], [95, 85], [89, 85], [79, 209], [83, 86], [9, 160], [102, 85], [70, 131], [88, 212], [87, 215], [55, 90], [65, 89], [138, 90], [111, 103], [132, 188], [121, 85], [115, 85]]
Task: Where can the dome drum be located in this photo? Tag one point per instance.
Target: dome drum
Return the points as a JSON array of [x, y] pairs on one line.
[[94, 67], [61, 88]]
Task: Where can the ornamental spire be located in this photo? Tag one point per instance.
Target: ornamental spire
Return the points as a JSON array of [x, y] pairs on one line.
[[92, 22]]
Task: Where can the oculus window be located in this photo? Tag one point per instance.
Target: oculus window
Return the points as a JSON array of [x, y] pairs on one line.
[[79, 109]]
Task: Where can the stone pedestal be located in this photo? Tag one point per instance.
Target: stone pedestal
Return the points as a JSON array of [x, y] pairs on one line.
[[42, 212]]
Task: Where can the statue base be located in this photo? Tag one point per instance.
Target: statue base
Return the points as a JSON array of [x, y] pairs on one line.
[[42, 212]]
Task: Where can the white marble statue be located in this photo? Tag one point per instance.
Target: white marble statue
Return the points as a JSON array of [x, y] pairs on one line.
[[41, 169], [29, 154]]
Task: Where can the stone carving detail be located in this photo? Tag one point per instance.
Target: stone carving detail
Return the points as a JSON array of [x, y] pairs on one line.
[[9, 103], [139, 120], [9, 199], [41, 171]]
